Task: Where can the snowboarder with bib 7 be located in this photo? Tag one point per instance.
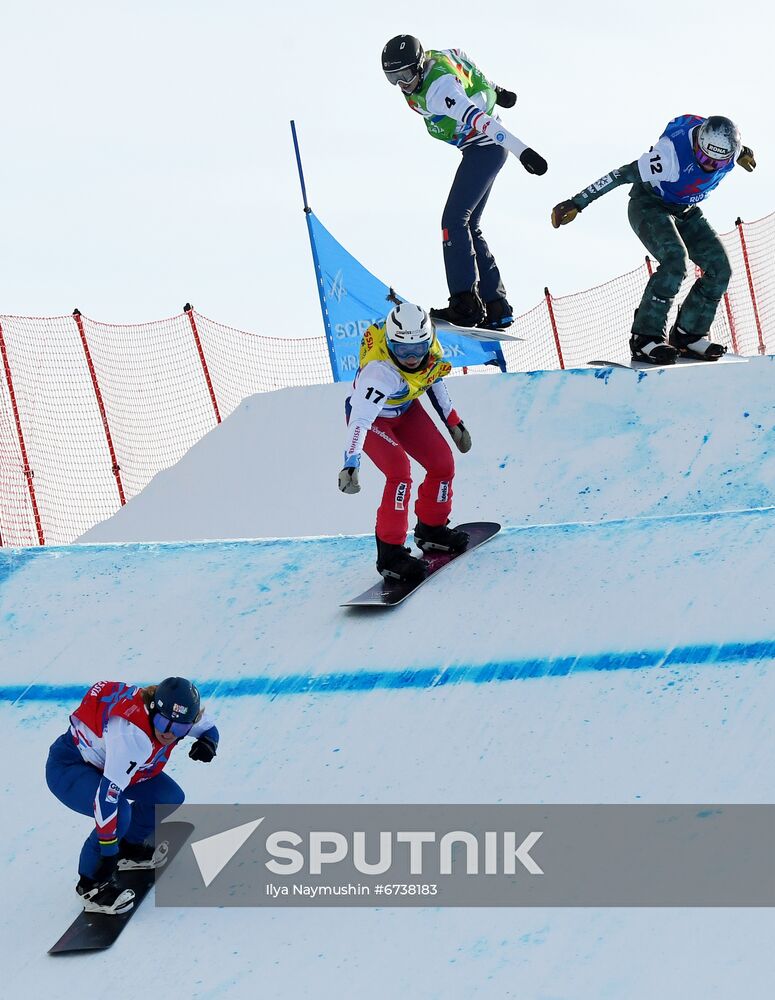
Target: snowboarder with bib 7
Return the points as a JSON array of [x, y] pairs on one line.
[[109, 765]]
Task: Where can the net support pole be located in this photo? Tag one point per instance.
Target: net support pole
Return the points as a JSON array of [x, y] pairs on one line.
[[555, 332], [188, 309], [28, 473], [749, 275], [115, 467]]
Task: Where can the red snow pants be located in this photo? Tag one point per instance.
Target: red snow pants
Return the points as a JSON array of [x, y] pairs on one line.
[[389, 444]]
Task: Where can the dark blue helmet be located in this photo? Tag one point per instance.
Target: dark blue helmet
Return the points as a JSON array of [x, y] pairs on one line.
[[175, 706]]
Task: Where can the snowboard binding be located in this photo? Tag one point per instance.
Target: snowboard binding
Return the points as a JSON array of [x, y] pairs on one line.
[[689, 345]]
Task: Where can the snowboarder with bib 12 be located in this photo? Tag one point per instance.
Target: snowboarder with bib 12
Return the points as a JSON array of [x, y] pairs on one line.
[[457, 101], [690, 159], [400, 360], [110, 764]]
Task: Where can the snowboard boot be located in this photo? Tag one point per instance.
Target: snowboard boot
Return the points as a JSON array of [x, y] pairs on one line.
[[689, 345], [464, 309], [654, 349], [104, 897], [395, 562], [439, 538], [498, 314], [134, 856]]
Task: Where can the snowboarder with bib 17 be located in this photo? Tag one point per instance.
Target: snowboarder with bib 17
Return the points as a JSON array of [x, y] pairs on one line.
[[109, 764], [400, 360], [457, 101], [690, 159]]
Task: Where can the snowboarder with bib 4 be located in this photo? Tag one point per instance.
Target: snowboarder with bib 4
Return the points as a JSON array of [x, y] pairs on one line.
[[690, 159], [110, 763], [401, 360], [456, 101]]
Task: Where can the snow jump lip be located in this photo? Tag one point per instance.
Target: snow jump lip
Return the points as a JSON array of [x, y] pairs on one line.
[[425, 678]]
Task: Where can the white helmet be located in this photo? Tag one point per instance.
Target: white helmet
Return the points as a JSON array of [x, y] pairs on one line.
[[408, 334], [716, 142]]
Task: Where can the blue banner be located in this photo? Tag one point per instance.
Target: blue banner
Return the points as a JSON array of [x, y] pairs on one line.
[[352, 299]]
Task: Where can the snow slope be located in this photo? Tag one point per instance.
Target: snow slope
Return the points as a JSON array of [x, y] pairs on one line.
[[613, 644], [581, 445]]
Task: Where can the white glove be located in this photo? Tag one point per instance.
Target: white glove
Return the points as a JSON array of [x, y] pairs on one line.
[[348, 481], [461, 437]]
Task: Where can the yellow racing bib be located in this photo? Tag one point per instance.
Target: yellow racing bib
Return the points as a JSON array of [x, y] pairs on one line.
[[374, 348]]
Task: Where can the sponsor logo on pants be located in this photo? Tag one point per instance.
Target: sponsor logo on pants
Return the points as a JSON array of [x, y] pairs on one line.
[[443, 494], [400, 496]]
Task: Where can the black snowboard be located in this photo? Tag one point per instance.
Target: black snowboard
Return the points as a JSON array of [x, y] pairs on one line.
[[388, 593], [98, 931]]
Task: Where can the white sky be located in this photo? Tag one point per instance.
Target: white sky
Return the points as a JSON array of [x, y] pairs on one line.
[[147, 157]]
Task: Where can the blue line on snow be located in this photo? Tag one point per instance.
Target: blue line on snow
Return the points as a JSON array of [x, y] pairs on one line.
[[430, 677]]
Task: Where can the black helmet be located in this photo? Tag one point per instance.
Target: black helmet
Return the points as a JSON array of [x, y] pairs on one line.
[[402, 61], [175, 706]]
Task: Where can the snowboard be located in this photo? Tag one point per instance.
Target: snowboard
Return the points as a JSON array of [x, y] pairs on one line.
[[98, 931], [388, 593], [477, 332], [679, 363]]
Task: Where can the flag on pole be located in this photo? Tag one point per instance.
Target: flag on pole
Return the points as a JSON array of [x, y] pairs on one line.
[[352, 299]]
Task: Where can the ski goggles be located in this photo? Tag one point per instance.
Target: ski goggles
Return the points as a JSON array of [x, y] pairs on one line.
[[405, 76], [178, 729], [710, 162], [408, 352]]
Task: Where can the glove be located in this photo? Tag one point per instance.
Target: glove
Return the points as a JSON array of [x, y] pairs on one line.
[[106, 867], [505, 98], [348, 481], [458, 433], [203, 749], [564, 213], [461, 437], [746, 160], [533, 162]]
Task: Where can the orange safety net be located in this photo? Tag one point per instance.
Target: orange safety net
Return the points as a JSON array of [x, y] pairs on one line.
[[90, 411]]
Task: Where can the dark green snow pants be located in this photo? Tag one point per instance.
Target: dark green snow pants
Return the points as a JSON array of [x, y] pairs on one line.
[[670, 234]]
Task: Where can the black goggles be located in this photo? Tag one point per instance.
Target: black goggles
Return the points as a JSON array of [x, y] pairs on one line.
[[405, 75]]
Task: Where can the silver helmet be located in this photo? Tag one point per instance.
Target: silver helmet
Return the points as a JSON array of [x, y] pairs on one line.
[[717, 141]]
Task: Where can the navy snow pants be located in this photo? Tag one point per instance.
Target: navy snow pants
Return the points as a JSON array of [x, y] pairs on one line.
[[74, 782], [467, 258]]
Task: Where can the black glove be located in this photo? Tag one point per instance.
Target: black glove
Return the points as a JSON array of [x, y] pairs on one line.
[[505, 98], [203, 749], [533, 162], [746, 159], [106, 867]]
